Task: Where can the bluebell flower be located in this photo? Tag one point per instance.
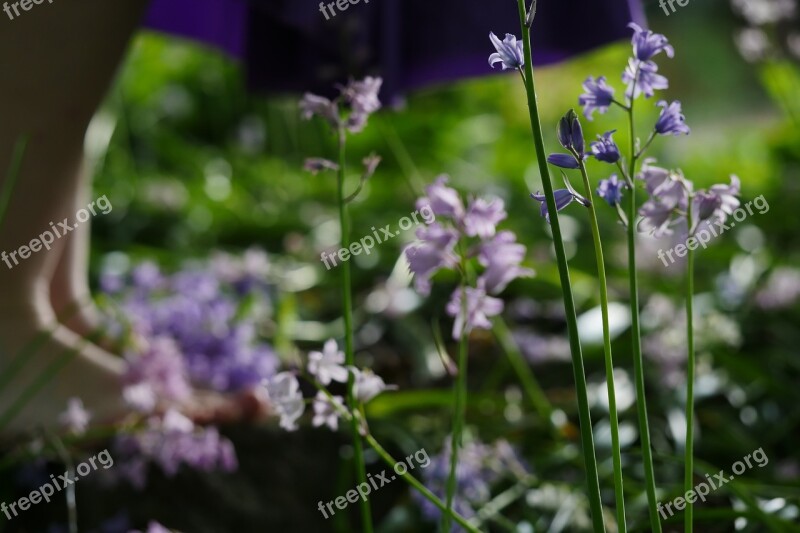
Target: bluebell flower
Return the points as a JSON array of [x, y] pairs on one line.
[[610, 190], [605, 149], [480, 307], [510, 52], [570, 133], [598, 96], [502, 257], [671, 121], [563, 198], [483, 216], [647, 44], [642, 77], [563, 161]]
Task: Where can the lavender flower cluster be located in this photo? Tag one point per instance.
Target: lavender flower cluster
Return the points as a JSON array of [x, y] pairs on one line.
[[463, 234], [200, 325]]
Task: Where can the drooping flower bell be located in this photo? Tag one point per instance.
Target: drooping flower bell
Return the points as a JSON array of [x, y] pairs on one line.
[[509, 52]]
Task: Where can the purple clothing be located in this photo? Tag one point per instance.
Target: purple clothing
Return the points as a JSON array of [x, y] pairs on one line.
[[288, 45]]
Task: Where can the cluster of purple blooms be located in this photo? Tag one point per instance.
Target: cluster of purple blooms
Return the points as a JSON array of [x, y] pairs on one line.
[[460, 234], [360, 98], [286, 398], [480, 468], [172, 441], [199, 326]]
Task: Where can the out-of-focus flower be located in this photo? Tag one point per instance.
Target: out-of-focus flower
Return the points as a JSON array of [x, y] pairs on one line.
[[328, 365], [641, 77], [563, 198], [653, 176], [325, 412], [480, 307], [598, 96], [371, 163], [312, 105], [761, 12], [170, 442], [669, 196], [671, 121], [605, 149], [502, 257], [610, 190], [157, 374], [705, 204], [647, 44], [483, 216], [433, 251], [286, 399], [510, 52], [362, 97], [753, 44], [315, 165], [75, 418], [725, 200], [445, 201], [368, 385], [781, 291]]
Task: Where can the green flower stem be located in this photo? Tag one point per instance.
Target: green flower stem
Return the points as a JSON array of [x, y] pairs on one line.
[[688, 481], [347, 305], [460, 402], [585, 420], [422, 489], [529, 382], [612, 395], [636, 341]]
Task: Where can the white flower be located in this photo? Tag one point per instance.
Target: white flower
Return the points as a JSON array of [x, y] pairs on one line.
[[286, 399], [368, 385], [327, 364], [326, 412], [76, 417]]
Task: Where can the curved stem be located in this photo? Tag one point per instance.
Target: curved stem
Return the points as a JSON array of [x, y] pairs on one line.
[[612, 396], [690, 364], [422, 489], [636, 341], [347, 311], [526, 377], [585, 420]]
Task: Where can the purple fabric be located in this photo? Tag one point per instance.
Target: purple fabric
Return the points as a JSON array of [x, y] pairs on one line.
[[289, 46]]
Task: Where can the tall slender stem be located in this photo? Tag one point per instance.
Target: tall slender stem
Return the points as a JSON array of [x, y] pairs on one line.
[[688, 481], [347, 311], [12, 175], [616, 454], [460, 400], [585, 420], [636, 341]]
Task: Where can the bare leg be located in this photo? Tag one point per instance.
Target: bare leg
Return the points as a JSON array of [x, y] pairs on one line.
[[63, 56]]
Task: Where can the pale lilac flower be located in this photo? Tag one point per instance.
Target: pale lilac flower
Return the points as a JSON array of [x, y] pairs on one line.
[[705, 204], [643, 76], [668, 198], [647, 44], [327, 365], [283, 391], [598, 96], [605, 149], [363, 95], [312, 105], [325, 412], [724, 199], [483, 216], [370, 163], [157, 374], [610, 190], [315, 165], [367, 385], [443, 200], [563, 198], [510, 52], [480, 306], [433, 251], [653, 177], [75, 418], [671, 121], [502, 257]]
